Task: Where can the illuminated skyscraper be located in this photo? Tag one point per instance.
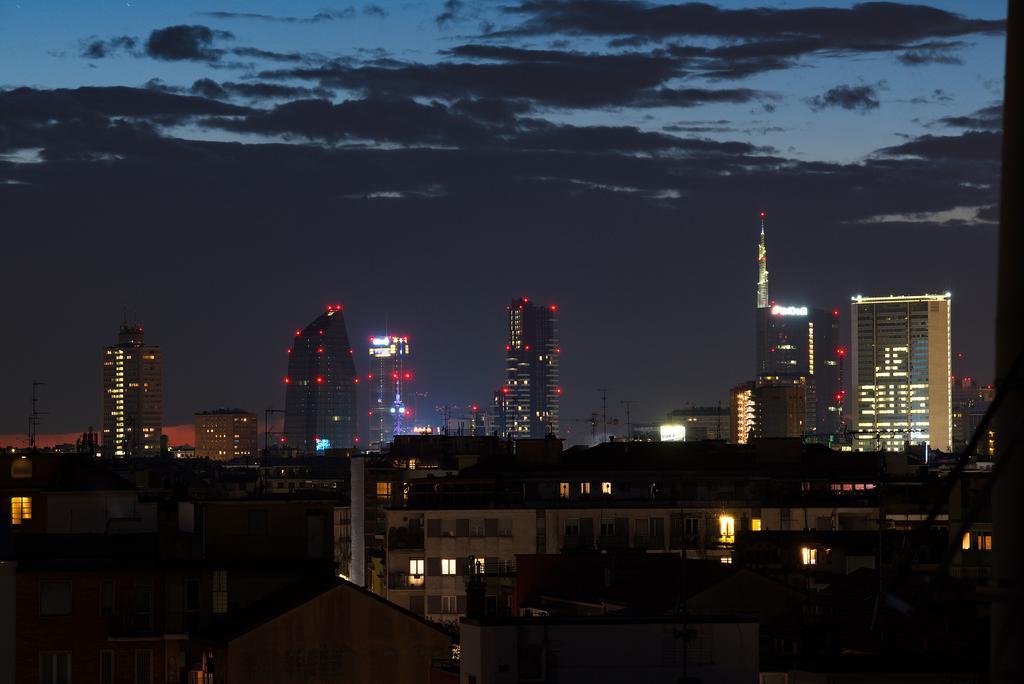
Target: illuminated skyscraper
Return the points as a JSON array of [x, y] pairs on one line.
[[762, 270], [901, 372], [797, 342], [389, 413], [132, 396], [802, 342], [320, 395], [531, 393]]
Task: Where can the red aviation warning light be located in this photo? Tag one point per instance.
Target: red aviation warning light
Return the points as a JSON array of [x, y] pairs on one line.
[[504, 390], [474, 408], [394, 376], [298, 333], [841, 352], [762, 214], [407, 376], [553, 307], [287, 380], [319, 379], [319, 350], [558, 390]]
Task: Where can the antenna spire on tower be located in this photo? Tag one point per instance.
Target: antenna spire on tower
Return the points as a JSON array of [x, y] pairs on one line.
[[762, 269]]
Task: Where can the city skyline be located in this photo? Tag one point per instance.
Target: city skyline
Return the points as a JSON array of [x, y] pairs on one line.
[[624, 170]]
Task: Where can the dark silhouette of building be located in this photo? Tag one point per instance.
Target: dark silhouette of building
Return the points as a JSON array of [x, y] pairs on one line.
[[320, 395], [132, 396], [530, 396]]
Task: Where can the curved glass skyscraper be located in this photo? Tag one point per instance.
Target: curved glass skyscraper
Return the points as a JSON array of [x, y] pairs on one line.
[[320, 395]]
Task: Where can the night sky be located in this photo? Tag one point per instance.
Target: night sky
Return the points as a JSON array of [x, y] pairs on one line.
[[226, 170]]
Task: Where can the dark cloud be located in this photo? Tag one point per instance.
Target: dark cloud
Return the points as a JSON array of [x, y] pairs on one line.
[[95, 48], [449, 13], [319, 17], [937, 95], [372, 10], [714, 126], [465, 124], [491, 109], [858, 98], [985, 119], [252, 90], [538, 162], [96, 122], [860, 26], [269, 55], [548, 77], [758, 39], [921, 57], [186, 42], [382, 120], [968, 146]]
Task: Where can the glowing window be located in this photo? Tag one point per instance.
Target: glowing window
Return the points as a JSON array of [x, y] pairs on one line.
[[563, 490], [383, 490], [416, 566], [755, 524], [606, 487], [727, 528], [584, 488], [809, 556], [449, 566], [984, 542], [965, 541], [21, 509]]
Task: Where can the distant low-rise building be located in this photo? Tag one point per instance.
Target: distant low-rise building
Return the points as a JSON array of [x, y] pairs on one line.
[[226, 434]]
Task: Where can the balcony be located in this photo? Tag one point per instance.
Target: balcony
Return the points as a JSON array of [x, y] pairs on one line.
[[613, 541], [403, 580], [577, 542], [405, 538], [649, 541]]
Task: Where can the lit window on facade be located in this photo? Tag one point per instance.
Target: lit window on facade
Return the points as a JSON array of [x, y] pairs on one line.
[[563, 490], [727, 528], [21, 509]]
